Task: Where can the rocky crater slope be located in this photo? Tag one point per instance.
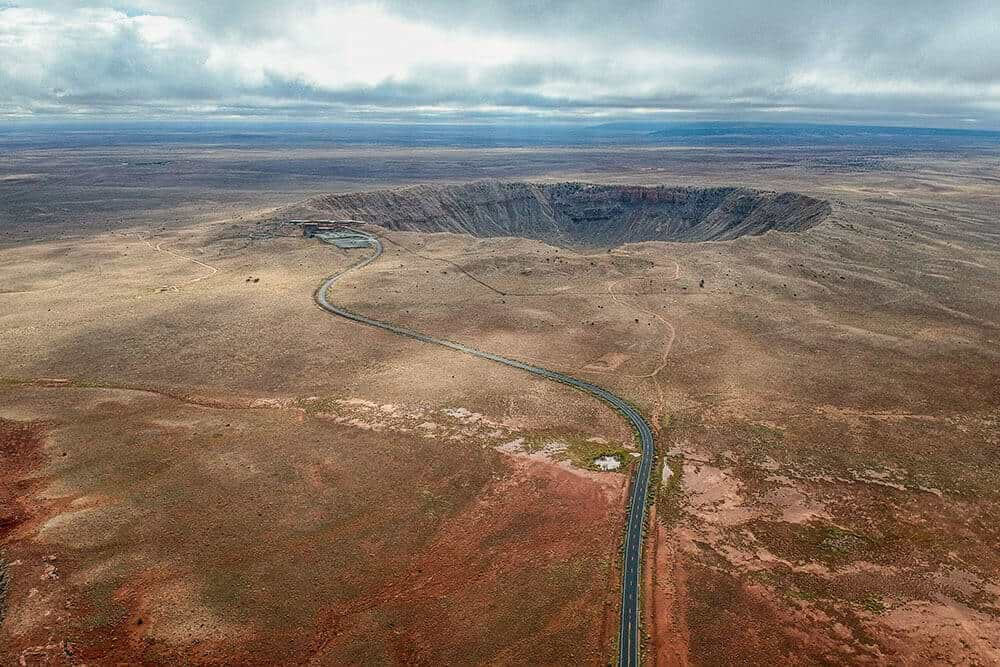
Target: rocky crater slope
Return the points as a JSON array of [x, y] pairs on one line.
[[574, 214]]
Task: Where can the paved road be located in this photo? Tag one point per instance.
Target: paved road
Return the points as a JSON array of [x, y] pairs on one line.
[[628, 638]]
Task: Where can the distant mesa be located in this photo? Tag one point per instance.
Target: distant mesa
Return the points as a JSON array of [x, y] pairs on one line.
[[575, 214]]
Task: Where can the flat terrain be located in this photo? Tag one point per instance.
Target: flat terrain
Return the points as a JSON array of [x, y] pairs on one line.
[[203, 466]]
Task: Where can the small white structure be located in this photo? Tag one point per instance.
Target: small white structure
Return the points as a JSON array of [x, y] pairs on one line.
[[608, 462]]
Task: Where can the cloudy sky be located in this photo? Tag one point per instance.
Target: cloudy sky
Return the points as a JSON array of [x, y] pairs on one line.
[[914, 62]]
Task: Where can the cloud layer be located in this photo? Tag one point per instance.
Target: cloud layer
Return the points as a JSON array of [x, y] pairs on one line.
[[910, 61]]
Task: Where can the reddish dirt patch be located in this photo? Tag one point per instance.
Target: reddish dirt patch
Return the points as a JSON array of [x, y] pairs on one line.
[[797, 553], [559, 601], [757, 628], [173, 533], [665, 590], [20, 453]]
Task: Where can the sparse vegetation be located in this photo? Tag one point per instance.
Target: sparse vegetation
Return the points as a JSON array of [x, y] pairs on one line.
[[4, 589], [319, 405], [815, 542], [580, 450], [874, 604], [759, 441], [670, 497]]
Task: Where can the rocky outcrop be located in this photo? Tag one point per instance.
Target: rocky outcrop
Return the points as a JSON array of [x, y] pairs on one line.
[[575, 214]]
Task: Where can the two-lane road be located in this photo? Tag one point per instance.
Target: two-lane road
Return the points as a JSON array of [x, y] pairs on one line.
[[628, 639]]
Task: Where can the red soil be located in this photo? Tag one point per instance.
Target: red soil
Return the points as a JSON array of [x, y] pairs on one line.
[[21, 453], [665, 596], [434, 605]]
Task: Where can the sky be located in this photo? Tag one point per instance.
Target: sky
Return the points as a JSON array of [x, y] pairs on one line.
[[901, 62]]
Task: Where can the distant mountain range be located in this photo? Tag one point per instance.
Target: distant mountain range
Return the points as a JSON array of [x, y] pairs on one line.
[[250, 133], [725, 133]]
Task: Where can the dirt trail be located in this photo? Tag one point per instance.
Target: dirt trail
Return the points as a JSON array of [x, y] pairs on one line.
[[159, 248], [668, 341]]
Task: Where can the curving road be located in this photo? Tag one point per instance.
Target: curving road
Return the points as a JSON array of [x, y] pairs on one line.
[[628, 638]]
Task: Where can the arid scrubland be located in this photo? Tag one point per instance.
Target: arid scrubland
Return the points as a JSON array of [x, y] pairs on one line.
[[202, 466]]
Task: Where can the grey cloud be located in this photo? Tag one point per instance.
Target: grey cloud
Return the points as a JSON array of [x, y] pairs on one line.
[[892, 36], [891, 59]]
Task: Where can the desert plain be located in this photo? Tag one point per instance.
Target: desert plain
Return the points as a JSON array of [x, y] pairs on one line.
[[201, 466]]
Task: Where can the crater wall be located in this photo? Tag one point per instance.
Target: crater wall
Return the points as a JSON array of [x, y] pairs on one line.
[[575, 214]]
